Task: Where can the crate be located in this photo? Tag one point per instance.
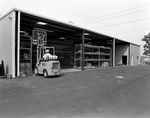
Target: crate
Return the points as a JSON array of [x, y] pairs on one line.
[[26, 68]]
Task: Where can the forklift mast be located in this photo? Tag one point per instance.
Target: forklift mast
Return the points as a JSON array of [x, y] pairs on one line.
[[41, 50]]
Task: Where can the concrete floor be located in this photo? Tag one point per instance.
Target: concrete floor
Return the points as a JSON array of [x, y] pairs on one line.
[[120, 92], [69, 70]]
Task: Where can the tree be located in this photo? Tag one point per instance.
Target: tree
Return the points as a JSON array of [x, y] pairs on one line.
[[147, 45]]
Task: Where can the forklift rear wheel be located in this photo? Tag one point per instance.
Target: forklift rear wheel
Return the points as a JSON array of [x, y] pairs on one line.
[[36, 71], [45, 73]]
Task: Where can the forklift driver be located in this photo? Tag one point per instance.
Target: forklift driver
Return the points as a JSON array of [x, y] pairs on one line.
[[47, 56]]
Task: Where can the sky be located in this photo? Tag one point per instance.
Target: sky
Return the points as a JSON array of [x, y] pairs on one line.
[[127, 20]]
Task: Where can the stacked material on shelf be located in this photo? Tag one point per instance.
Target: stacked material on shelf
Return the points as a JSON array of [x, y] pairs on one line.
[[105, 65], [89, 66], [26, 68]]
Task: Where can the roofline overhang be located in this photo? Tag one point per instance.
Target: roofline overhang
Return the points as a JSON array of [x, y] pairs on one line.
[[67, 24]]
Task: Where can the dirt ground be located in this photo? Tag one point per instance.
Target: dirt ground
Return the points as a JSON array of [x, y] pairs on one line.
[[119, 92]]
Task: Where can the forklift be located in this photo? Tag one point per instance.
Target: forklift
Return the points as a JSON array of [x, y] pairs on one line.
[[48, 67]]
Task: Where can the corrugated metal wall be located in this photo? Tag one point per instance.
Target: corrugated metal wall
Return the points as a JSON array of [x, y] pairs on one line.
[[7, 42]]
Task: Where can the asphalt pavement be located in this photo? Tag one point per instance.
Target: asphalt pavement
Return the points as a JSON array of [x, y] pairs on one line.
[[119, 92]]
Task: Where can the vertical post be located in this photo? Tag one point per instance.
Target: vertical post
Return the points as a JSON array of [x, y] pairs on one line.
[[114, 51], [82, 60], [129, 55], [99, 49], [31, 53], [18, 45], [13, 43]]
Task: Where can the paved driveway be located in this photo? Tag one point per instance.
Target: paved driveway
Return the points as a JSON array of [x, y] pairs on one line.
[[120, 92]]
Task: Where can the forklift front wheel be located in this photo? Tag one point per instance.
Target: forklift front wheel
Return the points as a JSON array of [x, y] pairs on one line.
[[36, 71], [45, 73]]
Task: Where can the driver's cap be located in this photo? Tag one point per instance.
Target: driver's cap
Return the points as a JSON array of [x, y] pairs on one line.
[[47, 50]]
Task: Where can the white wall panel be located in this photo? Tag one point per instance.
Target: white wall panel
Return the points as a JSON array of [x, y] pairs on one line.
[[120, 51], [6, 42], [134, 54]]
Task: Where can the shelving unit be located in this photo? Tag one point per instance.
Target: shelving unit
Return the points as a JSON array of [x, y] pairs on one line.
[[65, 56], [94, 56], [26, 54]]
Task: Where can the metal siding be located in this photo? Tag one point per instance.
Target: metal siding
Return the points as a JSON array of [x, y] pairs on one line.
[[135, 52], [6, 40], [121, 50]]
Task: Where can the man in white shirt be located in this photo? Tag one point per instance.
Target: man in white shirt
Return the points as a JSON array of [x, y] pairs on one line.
[[47, 55]]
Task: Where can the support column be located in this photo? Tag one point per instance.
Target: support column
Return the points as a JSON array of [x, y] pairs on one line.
[[82, 60], [13, 43], [129, 55], [18, 46], [114, 51]]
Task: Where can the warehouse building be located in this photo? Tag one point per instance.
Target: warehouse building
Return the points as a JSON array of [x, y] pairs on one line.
[[76, 47]]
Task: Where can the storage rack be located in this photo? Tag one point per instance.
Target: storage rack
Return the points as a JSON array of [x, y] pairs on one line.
[[94, 56], [26, 54], [65, 56]]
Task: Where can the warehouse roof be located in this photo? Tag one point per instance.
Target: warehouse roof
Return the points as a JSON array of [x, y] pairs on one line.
[[62, 26]]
